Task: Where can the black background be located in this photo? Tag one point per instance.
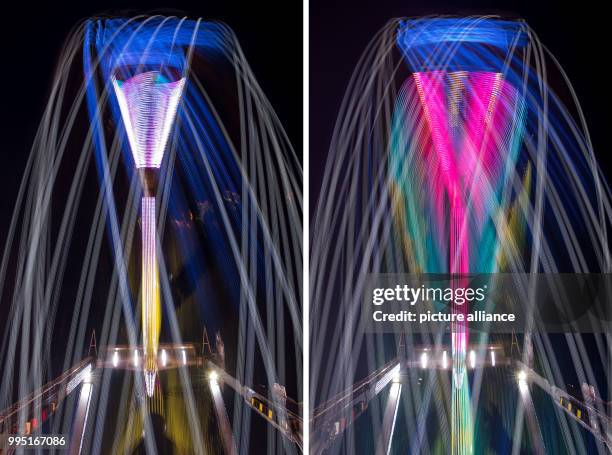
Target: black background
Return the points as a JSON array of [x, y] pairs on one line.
[[577, 34]]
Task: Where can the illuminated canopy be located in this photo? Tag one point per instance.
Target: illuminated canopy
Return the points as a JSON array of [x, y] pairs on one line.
[[460, 44]]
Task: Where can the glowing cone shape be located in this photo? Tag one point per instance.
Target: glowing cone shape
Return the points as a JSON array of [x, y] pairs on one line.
[[148, 103]]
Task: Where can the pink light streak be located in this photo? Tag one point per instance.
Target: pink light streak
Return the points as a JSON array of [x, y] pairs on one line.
[[148, 106]]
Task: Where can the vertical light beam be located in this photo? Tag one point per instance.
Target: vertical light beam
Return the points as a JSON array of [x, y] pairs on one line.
[[148, 103]]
